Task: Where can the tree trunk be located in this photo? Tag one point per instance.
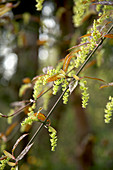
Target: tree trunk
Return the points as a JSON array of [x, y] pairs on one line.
[[84, 148]]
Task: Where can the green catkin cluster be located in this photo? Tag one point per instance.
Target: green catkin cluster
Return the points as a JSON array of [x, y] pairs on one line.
[[39, 5], [92, 42], [23, 89], [37, 87], [59, 65], [85, 94], [53, 139], [66, 94], [46, 99], [95, 31], [31, 118], [56, 85], [103, 8], [3, 146], [80, 9], [3, 163], [99, 56], [14, 168], [108, 110]]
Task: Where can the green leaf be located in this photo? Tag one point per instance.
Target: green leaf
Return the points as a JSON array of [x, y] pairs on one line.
[[11, 163], [18, 141], [8, 154]]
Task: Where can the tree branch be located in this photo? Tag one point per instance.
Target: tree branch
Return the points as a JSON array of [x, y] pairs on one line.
[[78, 72]]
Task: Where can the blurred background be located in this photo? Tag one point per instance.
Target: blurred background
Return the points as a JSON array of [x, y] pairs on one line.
[[29, 41]]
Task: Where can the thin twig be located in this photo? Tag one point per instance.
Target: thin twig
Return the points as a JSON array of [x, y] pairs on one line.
[[17, 112], [23, 107]]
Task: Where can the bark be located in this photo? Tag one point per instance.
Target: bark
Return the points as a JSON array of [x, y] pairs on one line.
[[84, 148]]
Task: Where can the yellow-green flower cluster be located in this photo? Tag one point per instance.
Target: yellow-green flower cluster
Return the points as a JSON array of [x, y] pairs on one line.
[[39, 4], [85, 94], [79, 9], [66, 94], [103, 8], [46, 99], [99, 56], [95, 34], [14, 168], [3, 146], [108, 110], [37, 87], [56, 85], [92, 42], [31, 118], [53, 139], [3, 163], [59, 65], [23, 88], [31, 109]]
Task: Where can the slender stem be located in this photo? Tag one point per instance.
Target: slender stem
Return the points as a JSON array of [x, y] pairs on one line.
[[16, 112], [23, 107]]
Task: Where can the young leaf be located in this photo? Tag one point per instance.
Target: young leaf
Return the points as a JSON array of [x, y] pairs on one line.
[[86, 35], [9, 155], [17, 142], [39, 42], [56, 76], [68, 59], [78, 45], [106, 85], [76, 77], [92, 78], [108, 35], [11, 163], [67, 63], [5, 8], [102, 86], [65, 60], [41, 117], [3, 137], [10, 128], [24, 152], [53, 78], [26, 80]]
